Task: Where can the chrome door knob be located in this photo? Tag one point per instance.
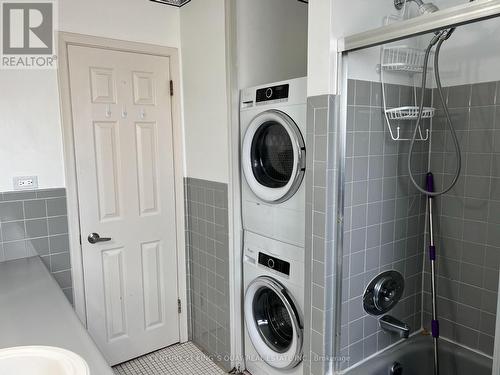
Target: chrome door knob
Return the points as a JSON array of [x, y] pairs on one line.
[[95, 238]]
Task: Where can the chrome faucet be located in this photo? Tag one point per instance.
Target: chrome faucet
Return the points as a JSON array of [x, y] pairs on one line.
[[391, 324]]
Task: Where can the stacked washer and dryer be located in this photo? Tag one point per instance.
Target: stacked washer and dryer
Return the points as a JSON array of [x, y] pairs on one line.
[[273, 160]]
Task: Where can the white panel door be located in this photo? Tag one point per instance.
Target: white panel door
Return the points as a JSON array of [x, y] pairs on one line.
[[121, 108]]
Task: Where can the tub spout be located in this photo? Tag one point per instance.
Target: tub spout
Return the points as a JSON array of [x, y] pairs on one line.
[[391, 324]]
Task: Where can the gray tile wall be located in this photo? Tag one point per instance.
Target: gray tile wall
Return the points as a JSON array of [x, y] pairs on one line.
[[322, 239], [468, 223], [35, 223], [207, 241], [384, 222]]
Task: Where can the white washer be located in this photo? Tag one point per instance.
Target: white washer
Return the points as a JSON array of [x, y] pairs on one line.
[[273, 306], [273, 159]]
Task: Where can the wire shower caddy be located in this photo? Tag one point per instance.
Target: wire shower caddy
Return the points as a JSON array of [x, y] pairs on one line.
[[402, 59]]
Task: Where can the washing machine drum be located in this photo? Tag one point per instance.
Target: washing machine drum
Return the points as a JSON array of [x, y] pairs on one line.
[[274, 323], [273, 156]]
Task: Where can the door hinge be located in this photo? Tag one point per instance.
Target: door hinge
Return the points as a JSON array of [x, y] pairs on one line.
[[171, 88], [80, 239], [179, 305]]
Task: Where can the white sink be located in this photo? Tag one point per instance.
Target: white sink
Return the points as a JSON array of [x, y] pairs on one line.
[[41, 360]]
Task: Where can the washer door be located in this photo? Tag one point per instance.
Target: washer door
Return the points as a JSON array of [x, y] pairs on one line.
[[273, 156], [273, 323]]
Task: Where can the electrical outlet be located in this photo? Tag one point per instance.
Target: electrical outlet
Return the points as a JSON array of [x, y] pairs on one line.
[[25, 183]]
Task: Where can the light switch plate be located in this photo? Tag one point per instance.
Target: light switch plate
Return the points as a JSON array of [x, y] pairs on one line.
[[25, 183]]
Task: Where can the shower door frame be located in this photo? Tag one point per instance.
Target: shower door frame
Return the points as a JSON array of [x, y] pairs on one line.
[[443, 19], [471, 12]]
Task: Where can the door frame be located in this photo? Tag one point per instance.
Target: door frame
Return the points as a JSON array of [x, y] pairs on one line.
[[65, 39], [235, 218]]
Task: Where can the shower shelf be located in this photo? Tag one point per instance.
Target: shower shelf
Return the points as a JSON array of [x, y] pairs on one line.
[[400, 59], [408, 113], [403, 59]]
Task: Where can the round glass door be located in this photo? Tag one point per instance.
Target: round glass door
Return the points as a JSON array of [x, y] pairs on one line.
[[273, 323], [273, 156], [273, 320]]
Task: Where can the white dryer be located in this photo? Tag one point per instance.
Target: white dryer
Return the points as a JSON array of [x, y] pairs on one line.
[[273, 159], [273, 305]]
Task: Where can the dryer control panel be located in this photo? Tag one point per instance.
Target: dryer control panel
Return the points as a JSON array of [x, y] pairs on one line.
[[274, 263], [289, 92], [273, 93]]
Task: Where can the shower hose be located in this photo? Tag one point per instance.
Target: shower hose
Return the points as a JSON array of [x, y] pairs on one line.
[[438, 39]]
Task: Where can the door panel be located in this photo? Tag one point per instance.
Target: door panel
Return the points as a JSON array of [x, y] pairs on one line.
[[147, 152], [102, 85], [107, 159], [114, 293], [151, 275], [124, 160], [144, 88]]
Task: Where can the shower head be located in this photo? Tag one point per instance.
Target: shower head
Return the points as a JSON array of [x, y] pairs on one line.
[[423, 8], [426, 8]]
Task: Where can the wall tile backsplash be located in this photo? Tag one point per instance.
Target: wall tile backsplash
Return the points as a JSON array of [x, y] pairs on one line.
[[384, 218], [207, 235], [35, 223], [468, 225]]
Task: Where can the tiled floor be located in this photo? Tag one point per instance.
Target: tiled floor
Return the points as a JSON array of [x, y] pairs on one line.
[[182, 359]]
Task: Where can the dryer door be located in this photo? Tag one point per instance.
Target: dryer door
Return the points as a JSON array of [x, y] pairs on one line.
[[273, 156], [274, 323]]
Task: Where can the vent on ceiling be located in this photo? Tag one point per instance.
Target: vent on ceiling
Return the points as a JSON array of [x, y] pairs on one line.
[[175, 3], [179, 3]]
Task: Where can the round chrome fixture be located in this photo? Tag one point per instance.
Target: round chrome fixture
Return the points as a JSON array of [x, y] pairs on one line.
[[396, 369], [383, 292]]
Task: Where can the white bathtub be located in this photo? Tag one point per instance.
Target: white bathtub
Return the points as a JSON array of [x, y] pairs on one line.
[[416, 358]]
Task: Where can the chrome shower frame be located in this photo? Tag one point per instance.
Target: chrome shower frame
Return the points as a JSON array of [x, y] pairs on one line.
[[444, 19], [448, 18]]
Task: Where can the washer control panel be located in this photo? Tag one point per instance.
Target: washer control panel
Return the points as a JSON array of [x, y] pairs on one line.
[[274, 263], [273, 93]]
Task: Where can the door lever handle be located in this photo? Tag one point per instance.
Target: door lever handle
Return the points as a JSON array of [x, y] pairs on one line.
[[95, 238]]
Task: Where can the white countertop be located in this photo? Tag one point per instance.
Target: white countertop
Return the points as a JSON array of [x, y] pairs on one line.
[[34, 311]]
